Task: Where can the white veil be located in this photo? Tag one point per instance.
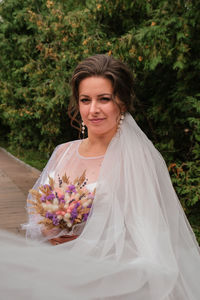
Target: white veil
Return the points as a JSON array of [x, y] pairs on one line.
[[137, 243]]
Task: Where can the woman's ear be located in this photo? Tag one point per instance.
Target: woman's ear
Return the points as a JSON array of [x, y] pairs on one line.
[[123, 108]]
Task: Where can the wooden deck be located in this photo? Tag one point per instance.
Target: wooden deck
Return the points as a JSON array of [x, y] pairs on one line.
[[16, 179]]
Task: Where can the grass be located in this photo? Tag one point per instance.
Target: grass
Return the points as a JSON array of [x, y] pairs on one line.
[[31, 157]]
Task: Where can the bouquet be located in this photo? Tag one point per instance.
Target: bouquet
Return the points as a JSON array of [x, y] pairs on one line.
[[62, 204]]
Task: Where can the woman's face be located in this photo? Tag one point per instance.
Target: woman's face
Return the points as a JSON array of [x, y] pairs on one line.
[[98, 110]]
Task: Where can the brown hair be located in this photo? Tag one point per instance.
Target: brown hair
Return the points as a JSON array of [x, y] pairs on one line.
[[104, 66]]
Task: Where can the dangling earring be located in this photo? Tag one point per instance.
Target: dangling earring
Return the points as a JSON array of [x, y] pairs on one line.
[[121, 120], [83, 128]]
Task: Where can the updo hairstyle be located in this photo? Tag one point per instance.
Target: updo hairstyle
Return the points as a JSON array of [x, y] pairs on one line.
[[105, 66]]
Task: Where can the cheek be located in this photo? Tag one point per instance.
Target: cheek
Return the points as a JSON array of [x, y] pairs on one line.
[[84, 112], [115, 114]]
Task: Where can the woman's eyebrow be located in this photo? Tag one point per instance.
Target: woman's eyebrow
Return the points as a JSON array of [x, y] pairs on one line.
[[104, 94], [82, 95], [100, 95]]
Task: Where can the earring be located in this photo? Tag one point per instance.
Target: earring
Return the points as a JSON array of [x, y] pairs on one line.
[[83, 128], [121, 120]]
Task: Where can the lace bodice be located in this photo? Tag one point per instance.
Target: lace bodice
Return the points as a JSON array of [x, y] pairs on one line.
[[76, 164], [73, 166]]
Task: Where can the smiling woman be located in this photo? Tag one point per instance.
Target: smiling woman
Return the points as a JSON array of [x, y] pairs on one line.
[[99, 112], [108, 204], [119, 82]]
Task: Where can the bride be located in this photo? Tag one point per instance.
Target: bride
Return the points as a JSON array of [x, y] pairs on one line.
[[136, 243]]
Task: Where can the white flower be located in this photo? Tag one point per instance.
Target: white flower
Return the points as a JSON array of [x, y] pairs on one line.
[[69, 224], [86, 203], [55, 201], [67, 217], [54, 207], [49, 208], [67, 197]]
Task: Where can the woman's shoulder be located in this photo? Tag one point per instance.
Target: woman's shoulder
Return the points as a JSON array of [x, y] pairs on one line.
[[69, 143], [61, 148]]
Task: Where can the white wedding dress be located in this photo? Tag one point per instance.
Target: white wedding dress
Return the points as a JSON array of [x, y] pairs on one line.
[[74, 165], [136, 244]]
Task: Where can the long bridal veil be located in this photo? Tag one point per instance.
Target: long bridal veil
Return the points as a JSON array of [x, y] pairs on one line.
[[137, 243]]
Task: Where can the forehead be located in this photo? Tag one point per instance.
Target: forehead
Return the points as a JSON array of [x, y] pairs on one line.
[[95, 85]]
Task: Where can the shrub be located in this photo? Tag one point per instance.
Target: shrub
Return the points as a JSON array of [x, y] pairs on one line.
[[42, 41]]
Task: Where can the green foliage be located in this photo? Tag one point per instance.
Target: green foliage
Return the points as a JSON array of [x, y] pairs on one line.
[[42, 41], [31, 157]]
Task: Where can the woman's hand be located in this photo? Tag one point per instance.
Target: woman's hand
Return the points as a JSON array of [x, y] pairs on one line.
[[50, 232], [59, 240], [62, 239]]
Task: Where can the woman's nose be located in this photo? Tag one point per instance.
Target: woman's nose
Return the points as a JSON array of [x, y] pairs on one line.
[[94, 106]]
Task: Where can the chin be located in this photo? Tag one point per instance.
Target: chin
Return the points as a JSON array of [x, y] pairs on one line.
[[97, 132], [101, 132]]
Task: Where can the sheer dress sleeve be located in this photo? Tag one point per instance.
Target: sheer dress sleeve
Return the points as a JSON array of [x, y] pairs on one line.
[[64, 160]]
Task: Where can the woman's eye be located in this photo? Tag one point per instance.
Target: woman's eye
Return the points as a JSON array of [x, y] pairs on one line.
[[85, 100], [106, 99]]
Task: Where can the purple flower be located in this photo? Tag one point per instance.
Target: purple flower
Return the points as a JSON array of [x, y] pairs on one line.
[[49, 215], [43, 198], [61, 199], [52, 217], [50, 196], [47, 186], [77, 205], [71, 189], [73, 213], [85, 217], [55, 220]]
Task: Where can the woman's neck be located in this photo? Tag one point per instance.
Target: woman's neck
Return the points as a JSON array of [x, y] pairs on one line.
[[96, 145]]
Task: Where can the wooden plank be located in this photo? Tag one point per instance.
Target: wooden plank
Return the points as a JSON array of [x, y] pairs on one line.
[[16, 179]]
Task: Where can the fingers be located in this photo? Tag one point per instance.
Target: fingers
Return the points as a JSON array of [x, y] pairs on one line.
[[46, 232], [53, 242], [62, 239]]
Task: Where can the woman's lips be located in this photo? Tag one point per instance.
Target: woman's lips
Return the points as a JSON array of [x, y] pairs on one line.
[[97, 120]]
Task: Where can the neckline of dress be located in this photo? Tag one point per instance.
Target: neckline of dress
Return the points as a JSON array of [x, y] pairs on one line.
[[86, 157]]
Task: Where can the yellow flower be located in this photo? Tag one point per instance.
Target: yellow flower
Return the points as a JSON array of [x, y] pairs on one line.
[[110, 52], [132, 51], [39, 23], [49, 4], [65, 39], [84, 42], [98, 6], [140, 58]]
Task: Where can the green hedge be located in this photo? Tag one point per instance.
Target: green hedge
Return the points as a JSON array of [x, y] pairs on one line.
[[42, 41]]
